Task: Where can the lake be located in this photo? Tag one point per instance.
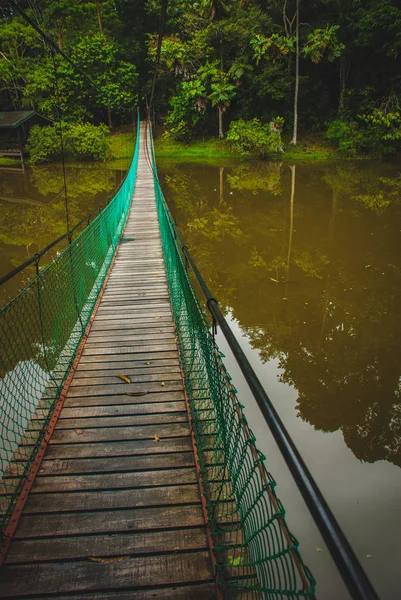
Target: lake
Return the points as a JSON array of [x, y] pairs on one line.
[[33, 211], [305, 261]]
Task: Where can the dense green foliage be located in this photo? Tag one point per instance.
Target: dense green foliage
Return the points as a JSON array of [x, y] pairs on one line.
[[87, 141], [80, 140], [44, 144], [325, 66], [253, 138]]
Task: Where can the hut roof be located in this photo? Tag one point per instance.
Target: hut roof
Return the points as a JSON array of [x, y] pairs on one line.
[[15, 118]]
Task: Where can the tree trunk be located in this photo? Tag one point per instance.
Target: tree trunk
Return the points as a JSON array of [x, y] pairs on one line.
[[291, 226], [341, 101], [98, 15], [109, 115], [296, 91], [221, 169], [59, 42], [221, 132]]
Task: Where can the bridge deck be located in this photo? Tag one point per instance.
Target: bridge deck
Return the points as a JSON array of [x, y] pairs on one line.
[[115, 511]]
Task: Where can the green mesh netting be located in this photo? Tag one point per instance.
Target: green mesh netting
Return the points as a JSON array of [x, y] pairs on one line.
[[256, 554], [40, 331]]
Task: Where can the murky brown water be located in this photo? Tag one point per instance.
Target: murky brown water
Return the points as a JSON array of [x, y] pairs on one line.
[[33, 211], [306, 263]]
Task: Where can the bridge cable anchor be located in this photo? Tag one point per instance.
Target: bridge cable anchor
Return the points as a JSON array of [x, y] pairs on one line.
[[214, 321], [37, 258]]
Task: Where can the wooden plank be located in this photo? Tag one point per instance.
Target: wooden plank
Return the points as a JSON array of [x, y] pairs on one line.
[[117, 388], [133, 358], [137, 572], [110, 464], [143, 313], [112, 500], [122, 325], [116, 434], [129, 298], [131, 369], [127, 409], [133, 278], [116, 464], [119, 448], [137, 349], [134, 305], [206, 591], [158, 396], [114, 378], [113, 481], [131, 544], [108, 339], [122, 421]]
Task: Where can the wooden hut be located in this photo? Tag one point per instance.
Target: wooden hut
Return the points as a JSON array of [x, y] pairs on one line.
[[14, 130]]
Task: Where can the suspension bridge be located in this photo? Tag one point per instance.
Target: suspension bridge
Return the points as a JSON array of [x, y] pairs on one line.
[[127, 466]]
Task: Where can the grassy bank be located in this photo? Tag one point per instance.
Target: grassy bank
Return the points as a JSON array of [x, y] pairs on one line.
[[122, 146], [309, 149], [204, 150], [12, 162]]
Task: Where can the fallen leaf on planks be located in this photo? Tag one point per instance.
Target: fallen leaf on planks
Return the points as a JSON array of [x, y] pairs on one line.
[[156, 275], [108, 560], [137, 393], [124, 378], [235, 562], [162, 384], [156, 438], [147, 363], [78, 431]]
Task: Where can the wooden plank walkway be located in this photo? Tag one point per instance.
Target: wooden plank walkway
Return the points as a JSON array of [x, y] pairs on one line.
[[115, 510]]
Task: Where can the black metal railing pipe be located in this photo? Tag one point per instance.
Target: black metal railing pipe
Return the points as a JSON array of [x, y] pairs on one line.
[[344, 557]]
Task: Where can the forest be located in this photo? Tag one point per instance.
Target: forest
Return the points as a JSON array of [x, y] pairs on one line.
[[247, 69]]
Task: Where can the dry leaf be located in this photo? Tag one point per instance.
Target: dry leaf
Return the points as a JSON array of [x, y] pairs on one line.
[[156, 275], [156, 438], [108, 560], [124, 378], [147, 363], [162, 384], [78, 431], [137, 393]]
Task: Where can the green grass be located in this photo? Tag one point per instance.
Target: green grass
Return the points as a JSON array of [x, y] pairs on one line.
[[5, 161], [122, 146], [204, 150], [299, 153], [311, 148]]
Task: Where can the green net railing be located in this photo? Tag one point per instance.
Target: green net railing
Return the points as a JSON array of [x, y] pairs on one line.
[[40, 331], [256, 556]]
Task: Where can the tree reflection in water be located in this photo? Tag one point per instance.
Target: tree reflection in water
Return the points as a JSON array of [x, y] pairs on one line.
[[307, 259], [33, 212]]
